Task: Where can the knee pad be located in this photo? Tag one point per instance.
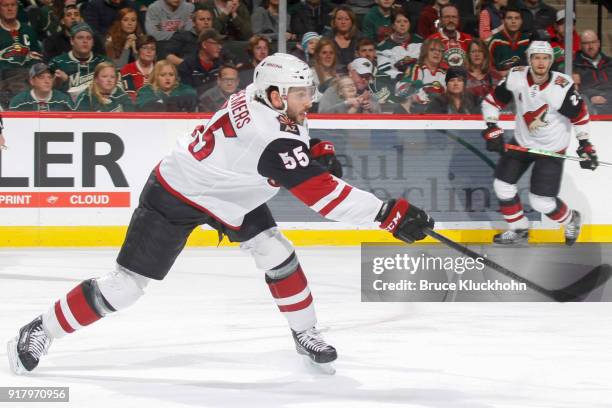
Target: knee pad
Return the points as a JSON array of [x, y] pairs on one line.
[[272, 253], [504, 191], [542, 204], [120, 288]]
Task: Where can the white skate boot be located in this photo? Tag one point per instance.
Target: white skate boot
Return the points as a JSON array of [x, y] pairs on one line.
[[572, 229], [512, 237]]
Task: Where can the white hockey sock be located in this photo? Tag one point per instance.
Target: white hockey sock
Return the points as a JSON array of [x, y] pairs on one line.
[[512, 211], [70, 313], [294, 300], [561, 213]]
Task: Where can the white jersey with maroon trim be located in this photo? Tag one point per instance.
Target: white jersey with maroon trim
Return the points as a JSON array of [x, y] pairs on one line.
[[545, 113], [238, 161]]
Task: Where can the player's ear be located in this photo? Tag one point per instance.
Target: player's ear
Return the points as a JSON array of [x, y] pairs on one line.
[[275, 99]]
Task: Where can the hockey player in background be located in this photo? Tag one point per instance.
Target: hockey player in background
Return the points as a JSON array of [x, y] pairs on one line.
[[547, 107], [222, 175]]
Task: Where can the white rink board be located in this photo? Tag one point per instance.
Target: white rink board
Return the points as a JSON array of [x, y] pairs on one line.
[[146, 141]]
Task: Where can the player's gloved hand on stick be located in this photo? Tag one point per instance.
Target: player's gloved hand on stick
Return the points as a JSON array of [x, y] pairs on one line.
[[323, 151], [405, 221], [494, 136], [587, 152]]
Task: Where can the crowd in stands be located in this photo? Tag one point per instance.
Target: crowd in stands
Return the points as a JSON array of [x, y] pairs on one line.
[[367, 56]]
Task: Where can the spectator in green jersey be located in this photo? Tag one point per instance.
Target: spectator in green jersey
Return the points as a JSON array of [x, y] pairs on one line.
[[74, 70], [19, 50], [103, 94], [42, 97], [165, 93]]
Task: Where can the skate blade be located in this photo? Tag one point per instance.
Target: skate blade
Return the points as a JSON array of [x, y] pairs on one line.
[[522, 244], [321, 368], [16, 367]]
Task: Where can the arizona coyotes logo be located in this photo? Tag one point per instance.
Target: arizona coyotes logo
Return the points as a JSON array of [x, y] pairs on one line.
[[536, 119], [287, 125], [562, 82]]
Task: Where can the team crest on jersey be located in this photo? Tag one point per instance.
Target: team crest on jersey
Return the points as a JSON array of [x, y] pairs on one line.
[[536, 119], [562, 82], [455, 57], [287, 125]]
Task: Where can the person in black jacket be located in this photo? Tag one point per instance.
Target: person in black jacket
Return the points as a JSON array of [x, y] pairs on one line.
[[311, 16], [593, 72], [59, 43], [537, 17], [185, 42], [455, 99], [100, 14], [200, 70]]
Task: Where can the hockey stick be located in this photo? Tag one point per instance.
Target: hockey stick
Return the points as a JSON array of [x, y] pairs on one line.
[[573, 292], [550, 154]]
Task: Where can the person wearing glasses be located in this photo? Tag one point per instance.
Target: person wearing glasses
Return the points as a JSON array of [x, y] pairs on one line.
[[423, 79], [200, 69], [455, 42], [227, 84]]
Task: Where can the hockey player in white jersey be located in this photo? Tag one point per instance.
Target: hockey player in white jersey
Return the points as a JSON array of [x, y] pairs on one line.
[[547, 107], [222, 175]]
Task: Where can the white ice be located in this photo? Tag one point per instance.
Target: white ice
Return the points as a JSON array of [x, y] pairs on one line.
[[210, 336]]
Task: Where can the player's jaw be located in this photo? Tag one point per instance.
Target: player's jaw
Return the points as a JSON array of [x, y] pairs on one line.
[[540, 65], [299, 102], [298, 113]]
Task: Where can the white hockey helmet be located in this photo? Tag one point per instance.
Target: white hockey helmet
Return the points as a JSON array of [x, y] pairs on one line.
[[283, 71], [539, 47]]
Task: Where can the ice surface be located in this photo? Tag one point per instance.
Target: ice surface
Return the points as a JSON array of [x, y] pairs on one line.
[[210, 336]]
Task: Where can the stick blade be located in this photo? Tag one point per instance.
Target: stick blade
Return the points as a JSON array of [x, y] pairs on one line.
[[575, 292]]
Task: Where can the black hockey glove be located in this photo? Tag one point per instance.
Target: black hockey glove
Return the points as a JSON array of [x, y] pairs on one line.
[[587, 153], [406, 222], [494, 137], [324, 152]]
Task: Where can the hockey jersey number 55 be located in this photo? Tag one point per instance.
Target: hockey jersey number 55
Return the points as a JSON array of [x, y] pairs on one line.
[[239, 159]]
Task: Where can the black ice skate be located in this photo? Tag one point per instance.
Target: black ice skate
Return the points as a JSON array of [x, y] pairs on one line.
[[310, 343], [512, 237], [25, 350], [572, 229]]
